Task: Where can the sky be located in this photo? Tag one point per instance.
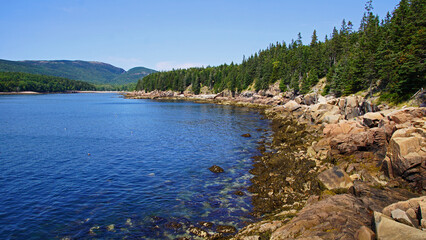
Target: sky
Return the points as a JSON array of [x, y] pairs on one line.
[[166, 34]]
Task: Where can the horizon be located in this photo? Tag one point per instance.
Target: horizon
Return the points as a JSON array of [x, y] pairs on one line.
[[174, 35]]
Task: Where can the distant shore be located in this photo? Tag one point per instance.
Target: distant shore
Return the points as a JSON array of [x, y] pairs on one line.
[[35, 93]]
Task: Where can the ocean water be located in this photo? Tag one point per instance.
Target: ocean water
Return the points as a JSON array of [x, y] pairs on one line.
[[97, 166]]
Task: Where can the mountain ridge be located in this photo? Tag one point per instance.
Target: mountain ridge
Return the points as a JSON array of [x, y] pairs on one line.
[[89, 71]]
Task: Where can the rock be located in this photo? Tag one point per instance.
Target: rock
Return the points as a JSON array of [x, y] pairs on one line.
[[407, 157], [226, 229], [216, 169], [388, 229], [365, 233], [336, 217], [401, 217], [255, 237], [291, 106], [351, 107], [372, 119], [247, 135], [206, 224], [335, 178], [239, 193], [198, 232], [111, 227], [311, 99], [173, 225], [343, 127]]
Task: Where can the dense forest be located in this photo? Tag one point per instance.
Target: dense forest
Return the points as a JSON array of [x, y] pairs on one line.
[[16, 81], [386, 56]]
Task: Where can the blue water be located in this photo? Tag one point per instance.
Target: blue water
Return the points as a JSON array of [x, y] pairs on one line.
[[84, 166]]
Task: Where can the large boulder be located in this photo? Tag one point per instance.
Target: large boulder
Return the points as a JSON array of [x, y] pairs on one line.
[[336, 217], [387, 228], [407, 155], [371, 119], [291, 106]]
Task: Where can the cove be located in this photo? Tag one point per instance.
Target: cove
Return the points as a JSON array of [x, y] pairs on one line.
[[99, 166]]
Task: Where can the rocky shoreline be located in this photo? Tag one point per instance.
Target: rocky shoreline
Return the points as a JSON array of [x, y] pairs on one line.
[[336, 167]]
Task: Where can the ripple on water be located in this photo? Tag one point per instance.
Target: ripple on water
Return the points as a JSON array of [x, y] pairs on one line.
[[97, 166]]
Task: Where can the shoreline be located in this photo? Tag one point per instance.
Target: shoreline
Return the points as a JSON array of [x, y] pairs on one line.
[[69, 92], [293, 181]]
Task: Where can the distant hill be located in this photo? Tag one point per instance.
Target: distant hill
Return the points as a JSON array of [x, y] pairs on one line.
[[93, 72], [133, 75]]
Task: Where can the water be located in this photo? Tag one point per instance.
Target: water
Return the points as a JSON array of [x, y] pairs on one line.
[[99, 166]]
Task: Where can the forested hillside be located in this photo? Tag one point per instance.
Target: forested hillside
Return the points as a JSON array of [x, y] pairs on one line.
[[15, 82], [383, 55], [93, 72]]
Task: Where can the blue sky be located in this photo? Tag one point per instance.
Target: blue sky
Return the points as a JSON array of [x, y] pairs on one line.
[[165, 34]]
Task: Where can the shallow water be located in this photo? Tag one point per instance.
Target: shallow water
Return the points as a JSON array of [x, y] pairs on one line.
[[99, 166]]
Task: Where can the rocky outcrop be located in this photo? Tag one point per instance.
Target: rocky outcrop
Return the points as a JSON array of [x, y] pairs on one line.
[[387, 228]]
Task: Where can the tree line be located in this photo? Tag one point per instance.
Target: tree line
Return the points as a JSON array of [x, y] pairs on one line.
[[17, 81], [383, 55]]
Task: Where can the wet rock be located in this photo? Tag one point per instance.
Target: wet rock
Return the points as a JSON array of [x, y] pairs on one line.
[[335, 178], [365, 233], [226, 229], [386, 228], [206, 224], [239, 193], [216, 169], [401, 216], [174, 225], [198, 232], [247, 135], [111, 227]]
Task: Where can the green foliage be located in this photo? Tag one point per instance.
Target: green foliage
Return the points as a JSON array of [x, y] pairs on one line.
[[16, 81], [386, 56], [93, 72]]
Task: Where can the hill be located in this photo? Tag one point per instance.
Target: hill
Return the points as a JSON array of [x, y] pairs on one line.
[[133, 75], [93, 72], [17, 81]]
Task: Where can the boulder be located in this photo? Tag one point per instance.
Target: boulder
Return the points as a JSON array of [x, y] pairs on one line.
[[343, 127], [336, 217], [311, 98], [401, 216], [247, 135], [291, 106], [335, 178], [407, 155], [388, 229], [371, 119], [365, 233], [216, 169]]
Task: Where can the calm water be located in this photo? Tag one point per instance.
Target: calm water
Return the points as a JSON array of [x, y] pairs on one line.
[[99, 166]]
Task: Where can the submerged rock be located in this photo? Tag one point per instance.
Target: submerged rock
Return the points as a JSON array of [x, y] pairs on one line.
[[247, 135], [216, 169]]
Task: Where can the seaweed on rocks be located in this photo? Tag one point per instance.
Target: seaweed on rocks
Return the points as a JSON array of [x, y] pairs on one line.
[[284, 178]]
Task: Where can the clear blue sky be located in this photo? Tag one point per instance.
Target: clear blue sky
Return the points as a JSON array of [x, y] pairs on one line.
[[163, 34]]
